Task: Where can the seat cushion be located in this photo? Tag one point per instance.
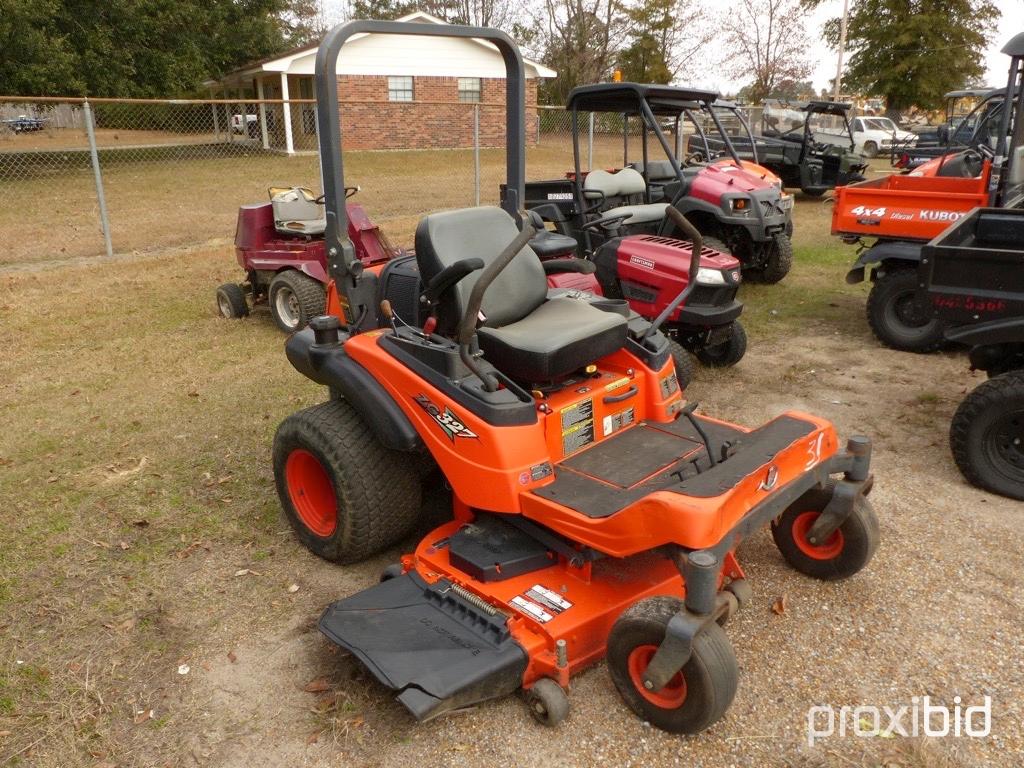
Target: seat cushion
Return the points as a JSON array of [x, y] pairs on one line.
[[638, 214], [444, 238], [301, 227], [560, 336], [547, 244]]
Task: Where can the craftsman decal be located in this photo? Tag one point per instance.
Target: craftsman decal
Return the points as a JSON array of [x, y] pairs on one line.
[[445, 419]]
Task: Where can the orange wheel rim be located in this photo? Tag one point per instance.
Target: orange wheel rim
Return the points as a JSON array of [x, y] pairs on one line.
[[311, 492], [827, 550], [671, 696]]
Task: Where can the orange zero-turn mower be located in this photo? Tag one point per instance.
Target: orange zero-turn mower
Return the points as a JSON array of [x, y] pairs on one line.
[[595, 514]]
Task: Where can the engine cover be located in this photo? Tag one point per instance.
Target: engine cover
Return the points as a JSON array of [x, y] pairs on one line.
[[652, 270]]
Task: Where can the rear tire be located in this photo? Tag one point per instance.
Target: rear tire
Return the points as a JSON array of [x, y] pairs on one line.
[[683, 363], [895, 318], [700, 692], [727, 353], [346, 495], [987, 435], [295, 299], [846, 552], [231, 301], [870, 149]]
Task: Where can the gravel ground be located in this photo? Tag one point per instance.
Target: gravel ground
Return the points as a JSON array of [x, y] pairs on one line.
[[936, 613]]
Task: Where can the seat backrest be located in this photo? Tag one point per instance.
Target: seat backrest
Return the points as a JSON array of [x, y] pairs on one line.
[[657, 170], [295, 204], [445, 238], [622, 183]]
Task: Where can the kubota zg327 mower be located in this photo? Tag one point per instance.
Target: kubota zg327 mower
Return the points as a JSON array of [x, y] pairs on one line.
[[595, 514]]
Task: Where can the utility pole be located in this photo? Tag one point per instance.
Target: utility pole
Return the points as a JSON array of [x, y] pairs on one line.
[[842, 49]]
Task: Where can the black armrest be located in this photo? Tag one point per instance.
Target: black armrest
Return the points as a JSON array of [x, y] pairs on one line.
[[582, 266], [448, 277]]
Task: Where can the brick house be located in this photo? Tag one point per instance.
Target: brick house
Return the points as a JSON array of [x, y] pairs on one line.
[[396, 92]]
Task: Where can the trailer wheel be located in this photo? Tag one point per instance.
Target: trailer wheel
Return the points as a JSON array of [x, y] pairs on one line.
[[896, 318], [683, 363], [295, 299], [231, 301], [846, 552], [547, 701], [698, 695], [987, 435], [346, 495], [870, 149], [728, 352]]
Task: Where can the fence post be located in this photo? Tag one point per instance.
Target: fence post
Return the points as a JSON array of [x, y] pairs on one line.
[[95, 157], [476, 153], [590, 144]]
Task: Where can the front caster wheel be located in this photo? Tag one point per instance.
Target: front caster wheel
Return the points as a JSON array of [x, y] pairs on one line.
[[728, 352], [231, 301], [846, 551], [698, 695], [547, 701], [987, 435]]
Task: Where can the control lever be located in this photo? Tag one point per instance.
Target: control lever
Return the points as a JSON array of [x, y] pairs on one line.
[[687, 411]]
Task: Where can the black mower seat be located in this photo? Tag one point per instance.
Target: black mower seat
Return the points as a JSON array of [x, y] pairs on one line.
[[547, 244], [523, 334]]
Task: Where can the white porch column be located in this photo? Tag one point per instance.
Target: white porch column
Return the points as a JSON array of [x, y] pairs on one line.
[[216, 119], [288, 143], [263, 112]]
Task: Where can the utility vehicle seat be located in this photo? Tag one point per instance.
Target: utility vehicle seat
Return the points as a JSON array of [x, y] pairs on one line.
[[621, 192], [296, 211], [522, 333], [662, 179]]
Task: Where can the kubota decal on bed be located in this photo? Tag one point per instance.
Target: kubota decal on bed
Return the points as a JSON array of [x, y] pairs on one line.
[[446, 420]]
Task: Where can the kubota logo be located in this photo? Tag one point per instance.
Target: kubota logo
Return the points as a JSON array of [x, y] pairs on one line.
[[445, 419], [940, 215]]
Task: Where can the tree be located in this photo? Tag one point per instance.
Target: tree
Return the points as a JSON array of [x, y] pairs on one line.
[[663, 38], [138, 48], [911, 52], [579, 39], [766, 42]]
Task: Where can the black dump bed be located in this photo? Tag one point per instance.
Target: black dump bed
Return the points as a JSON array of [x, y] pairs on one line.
[[974, 271]]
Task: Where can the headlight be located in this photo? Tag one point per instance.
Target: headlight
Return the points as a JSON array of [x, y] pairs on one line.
[[739, 204], [710, 277]]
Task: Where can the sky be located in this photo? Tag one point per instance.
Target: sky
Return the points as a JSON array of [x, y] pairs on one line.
[[1012, 23]]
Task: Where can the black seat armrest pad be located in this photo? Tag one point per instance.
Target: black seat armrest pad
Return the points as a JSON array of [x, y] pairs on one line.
[[582, 266], [449, 276]]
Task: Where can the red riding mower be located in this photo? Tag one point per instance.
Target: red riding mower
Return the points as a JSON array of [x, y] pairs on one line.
[[280, 245], [595, 513]]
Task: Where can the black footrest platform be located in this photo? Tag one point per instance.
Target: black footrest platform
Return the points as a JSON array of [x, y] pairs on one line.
[[437, 649]]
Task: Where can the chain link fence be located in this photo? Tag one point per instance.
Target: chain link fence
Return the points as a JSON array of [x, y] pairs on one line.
[[83, 178]]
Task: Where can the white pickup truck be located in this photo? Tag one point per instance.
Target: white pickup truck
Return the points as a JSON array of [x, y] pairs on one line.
[[871, 135]]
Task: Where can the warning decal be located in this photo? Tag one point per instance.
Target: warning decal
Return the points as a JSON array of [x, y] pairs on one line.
[[548, 598], [577, 426], [531, 608], [617, 421]]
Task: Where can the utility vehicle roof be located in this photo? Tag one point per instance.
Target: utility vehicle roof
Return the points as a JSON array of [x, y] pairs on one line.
[[823, 107], [626, 97], [970, 92]]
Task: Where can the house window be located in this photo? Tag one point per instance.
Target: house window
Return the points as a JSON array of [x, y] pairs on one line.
[[399, 89], [469, 89]]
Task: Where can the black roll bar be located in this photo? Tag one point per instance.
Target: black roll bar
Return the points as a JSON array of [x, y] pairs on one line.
[[356, 295]]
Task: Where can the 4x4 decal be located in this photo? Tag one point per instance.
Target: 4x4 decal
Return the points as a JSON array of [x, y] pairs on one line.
[[446, 420]]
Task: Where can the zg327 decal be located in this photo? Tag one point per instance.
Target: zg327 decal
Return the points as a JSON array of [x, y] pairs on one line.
[[449, 423]]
